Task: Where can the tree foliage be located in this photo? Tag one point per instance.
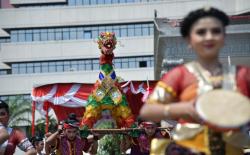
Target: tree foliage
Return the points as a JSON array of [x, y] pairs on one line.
[[20, 111]]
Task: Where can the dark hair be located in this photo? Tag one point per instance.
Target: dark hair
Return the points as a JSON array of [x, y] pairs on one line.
[[72, 120], [4, 105], [195, 15], [35, 139], [72, 116]]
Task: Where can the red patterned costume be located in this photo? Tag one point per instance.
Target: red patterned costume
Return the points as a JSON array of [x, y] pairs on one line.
[[17, 138], [184, 83]]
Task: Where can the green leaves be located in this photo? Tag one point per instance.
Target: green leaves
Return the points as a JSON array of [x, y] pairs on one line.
[[20, 111]]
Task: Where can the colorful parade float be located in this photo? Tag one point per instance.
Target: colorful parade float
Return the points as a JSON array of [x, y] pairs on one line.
[[123, 100]]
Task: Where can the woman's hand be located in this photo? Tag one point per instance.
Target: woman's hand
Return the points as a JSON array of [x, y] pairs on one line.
[[185, 110]]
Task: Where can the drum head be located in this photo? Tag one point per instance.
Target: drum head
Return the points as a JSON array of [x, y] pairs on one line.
[[224, 108]]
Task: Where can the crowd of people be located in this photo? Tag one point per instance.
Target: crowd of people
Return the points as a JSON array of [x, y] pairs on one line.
[[174, 98]]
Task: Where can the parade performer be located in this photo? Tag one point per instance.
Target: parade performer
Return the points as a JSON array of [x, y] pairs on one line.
[[38, 143], [107, 94], [175, 94], [141, 145], [67, 140], [15, 136]]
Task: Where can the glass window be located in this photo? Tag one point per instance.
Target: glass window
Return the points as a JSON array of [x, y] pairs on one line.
[[28, 35], [122, 1], [142, 64], [88, 64], [101, 29], [129, 1], [145, 30], [94, 33], [51, 34], [100, 1], [13, 36], [4, 98], [58, 35], [66, 65], [81, 65], [44, 35], [124, 62], [3, 72], [93, 2], [79, 2], [96, 65], [74, 66], [22, 69], [116, 30], [108, 29], [45, 67], [118, 63], [132, 63], [37, 68], [131, 31], [36, 35], [52, 67], [124, 31], [72, 33], [138, 30], [115, 1], [107, 1], [59, 66], [80, 34], [87, 35], [14, 68], [86, 2], [66, 34], [151, 30], [30, 68], [21, 35], [71, 2]]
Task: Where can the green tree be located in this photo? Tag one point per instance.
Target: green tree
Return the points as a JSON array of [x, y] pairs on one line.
[[41, 123], [20, 111], [109, 144]]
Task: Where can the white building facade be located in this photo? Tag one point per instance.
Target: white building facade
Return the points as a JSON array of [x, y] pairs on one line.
[[48, 41]]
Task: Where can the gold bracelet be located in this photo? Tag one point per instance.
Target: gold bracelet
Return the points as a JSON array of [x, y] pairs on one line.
[[166, 112]]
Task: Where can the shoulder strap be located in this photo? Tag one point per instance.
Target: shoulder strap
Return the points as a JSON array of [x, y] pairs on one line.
[[203, 83]]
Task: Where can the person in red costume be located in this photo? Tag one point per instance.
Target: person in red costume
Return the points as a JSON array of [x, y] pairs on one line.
[[175, 94], [15, 137], [67, 140], [141, 145]]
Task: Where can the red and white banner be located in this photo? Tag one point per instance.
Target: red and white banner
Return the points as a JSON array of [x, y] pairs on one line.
[[65, 98]]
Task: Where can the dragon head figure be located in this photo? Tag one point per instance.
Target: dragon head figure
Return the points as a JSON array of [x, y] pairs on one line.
[[107, 42]]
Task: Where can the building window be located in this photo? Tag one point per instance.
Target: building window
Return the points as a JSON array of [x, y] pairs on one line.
[[77, 65], [142, 64], [16, 98], [72, 33], [51, 34], [44, 35], [87, 35], [87, 2], [3, 72], [58, 34]]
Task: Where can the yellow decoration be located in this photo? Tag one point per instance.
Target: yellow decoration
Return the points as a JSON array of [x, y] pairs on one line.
[[167, 88], [198, 143], [159, 146]]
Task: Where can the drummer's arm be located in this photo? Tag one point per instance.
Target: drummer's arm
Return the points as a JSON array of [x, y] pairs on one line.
[[161, 104], [168, 110]]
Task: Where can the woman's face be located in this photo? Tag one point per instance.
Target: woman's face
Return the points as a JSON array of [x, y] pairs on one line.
[[40, 146], [207, 37]]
